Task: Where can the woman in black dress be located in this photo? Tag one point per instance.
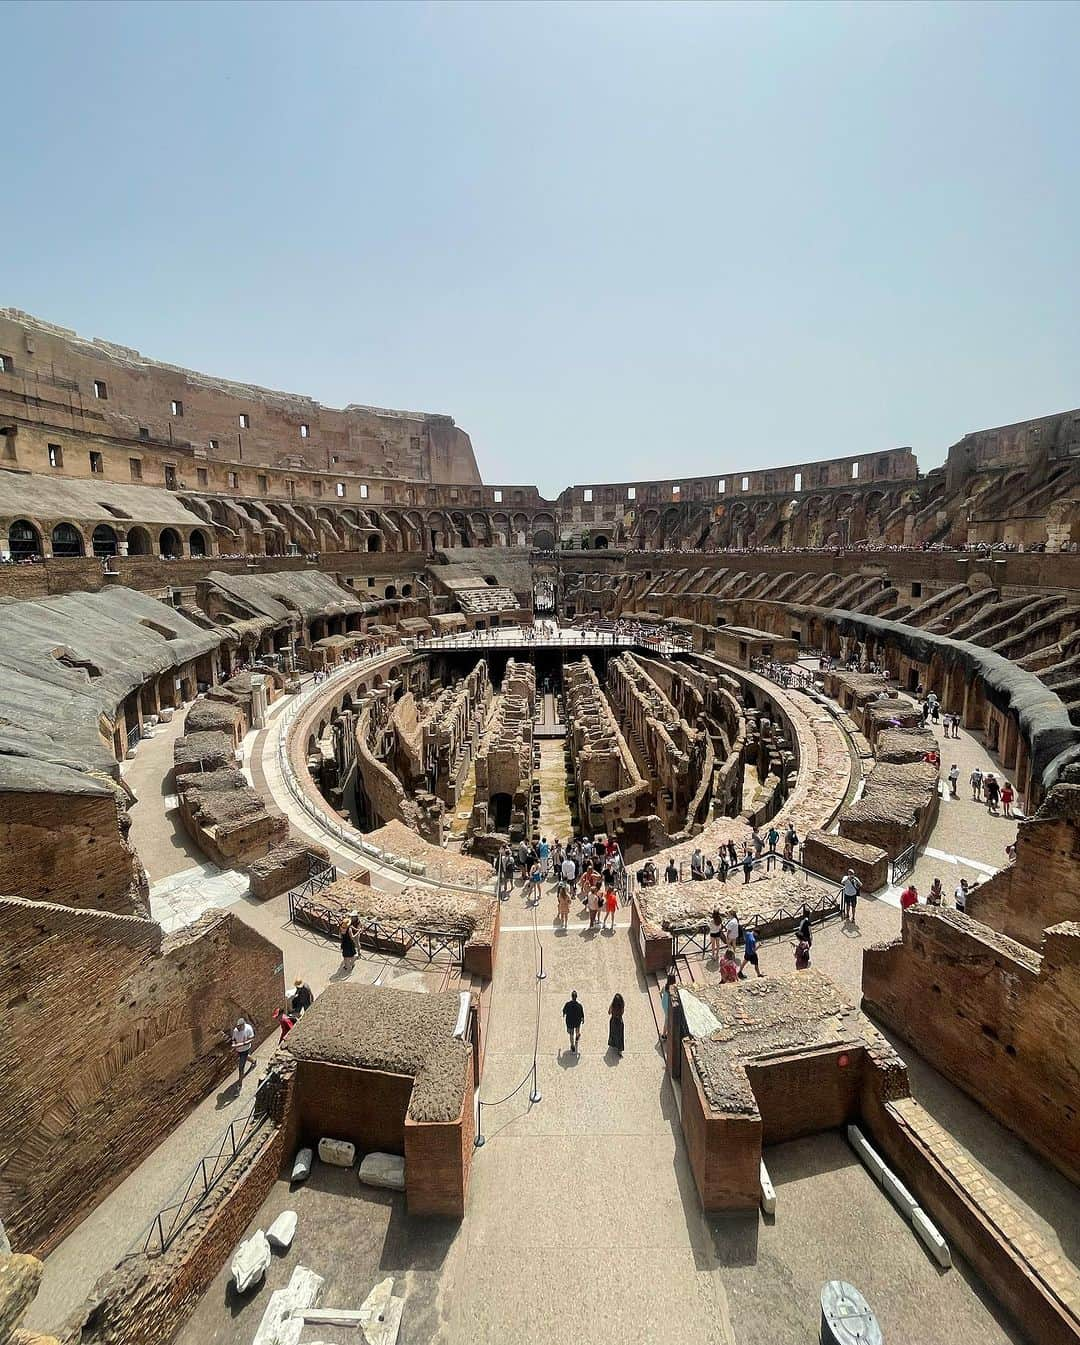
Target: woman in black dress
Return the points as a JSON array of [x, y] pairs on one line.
[[615, 1024], [348, 946]]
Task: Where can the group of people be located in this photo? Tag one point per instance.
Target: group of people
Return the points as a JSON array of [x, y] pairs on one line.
[[757, 851], [242, 1037], [936, 895], [592, 869], [986, 788]]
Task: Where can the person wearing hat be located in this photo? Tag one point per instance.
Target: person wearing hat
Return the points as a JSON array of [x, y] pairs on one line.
[[302, 998]]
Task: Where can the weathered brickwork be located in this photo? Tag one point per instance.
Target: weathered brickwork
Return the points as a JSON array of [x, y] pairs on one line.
[[992, 1015], [112, 1035]]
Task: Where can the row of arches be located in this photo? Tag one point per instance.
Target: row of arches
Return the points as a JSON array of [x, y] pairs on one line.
[[26, 541]]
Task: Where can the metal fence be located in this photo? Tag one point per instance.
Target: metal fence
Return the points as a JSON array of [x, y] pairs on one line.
[[695, 938], [169, 1222], [903, 864]]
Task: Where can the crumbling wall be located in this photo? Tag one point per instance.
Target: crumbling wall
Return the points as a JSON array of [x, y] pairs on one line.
[[992, 1015], [112, 1035], [1041, 887], [72, 849]]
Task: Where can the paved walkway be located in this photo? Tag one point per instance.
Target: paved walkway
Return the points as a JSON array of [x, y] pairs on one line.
[[582, 1221]]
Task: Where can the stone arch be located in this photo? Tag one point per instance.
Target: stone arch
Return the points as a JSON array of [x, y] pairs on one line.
[[104, 541], [170, 543], [374, 541], [24, 539], [139, 541], [67, 540], [600, 542], [197, 543], [406, 590], [391, 591], [544, 539]]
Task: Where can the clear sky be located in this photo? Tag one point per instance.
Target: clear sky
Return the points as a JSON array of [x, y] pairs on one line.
[[612, 240]]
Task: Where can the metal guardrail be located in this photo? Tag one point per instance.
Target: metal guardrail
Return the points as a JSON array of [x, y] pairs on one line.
[[789, 676], [348, 836], [903, 864], [695, 938], [380, 936], [170, 1222]]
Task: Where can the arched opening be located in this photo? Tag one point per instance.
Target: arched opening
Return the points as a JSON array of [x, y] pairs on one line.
[[406, 590], [374, 542], [197, 543], [544, 540], [67, 540], [104, 541], [138, 542], [391, 591], [24, 540], [601, 543], [169, 544], [499, 808]]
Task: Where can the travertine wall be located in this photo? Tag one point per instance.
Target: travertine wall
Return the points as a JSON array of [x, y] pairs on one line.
[[112, 1034], [992, 1015]]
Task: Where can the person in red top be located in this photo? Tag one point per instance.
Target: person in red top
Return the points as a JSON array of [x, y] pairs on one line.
[[285, 1021], [729, 968], [909, 897], [1007, 797]]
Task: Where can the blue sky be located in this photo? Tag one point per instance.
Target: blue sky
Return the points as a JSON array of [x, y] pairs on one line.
[[612, 240]]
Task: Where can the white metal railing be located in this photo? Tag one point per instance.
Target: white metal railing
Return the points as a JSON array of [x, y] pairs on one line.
[[342, 832]]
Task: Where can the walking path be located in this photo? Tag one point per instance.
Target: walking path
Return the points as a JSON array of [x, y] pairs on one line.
[[588, 1195]]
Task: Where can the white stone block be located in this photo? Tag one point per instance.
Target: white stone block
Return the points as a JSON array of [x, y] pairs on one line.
[[301, 1169], [165, 714], [768, 1191], [250, 1261], [283, 1321], [386, 1170], [339, 1153], [872, 1160], [282, 1231], [381, 1314], [899, 1194], [939, 1248]]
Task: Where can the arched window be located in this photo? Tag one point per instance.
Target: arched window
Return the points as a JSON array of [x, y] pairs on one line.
[[24, 540], [170, 543], [391, 591], [197, 543], [104, 541], [138, 542], [67, 540]]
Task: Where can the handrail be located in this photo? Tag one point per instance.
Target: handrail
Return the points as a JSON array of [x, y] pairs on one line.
[[233, 1143], [375, 934]]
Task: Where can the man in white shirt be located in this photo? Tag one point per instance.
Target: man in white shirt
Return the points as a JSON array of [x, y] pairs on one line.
[[850, 887], [243, 1034], [960, 896], [569, 874]]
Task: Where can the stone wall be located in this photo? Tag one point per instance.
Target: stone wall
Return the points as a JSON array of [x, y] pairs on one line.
[[112, 1034], [992, 1015], [1041, 887], [72, 849]]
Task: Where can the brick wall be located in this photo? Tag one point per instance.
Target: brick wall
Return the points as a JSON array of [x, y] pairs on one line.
[[71, 850], [724, 1152], [807, 1093], [438, 1160], [111, 1036], [1042, 885], [365, 1106], [996, 1018], [146, 1300]]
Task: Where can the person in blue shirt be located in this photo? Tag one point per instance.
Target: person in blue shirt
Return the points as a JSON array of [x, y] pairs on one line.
[[749, 954]]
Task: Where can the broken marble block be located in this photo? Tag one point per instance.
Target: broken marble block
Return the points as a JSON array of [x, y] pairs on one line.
[[387, 1170], [250, 1261], [283, 1321], [340, 1153], [282, 1231], [301, 1168]]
